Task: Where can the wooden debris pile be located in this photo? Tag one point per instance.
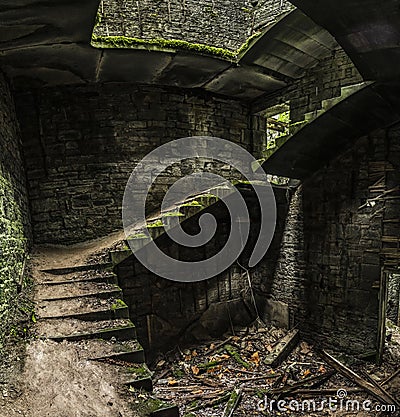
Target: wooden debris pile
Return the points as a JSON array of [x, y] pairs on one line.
[[233, 377]]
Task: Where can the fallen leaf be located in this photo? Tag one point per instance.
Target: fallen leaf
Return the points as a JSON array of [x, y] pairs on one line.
[[222, 357], [322, 369], [214, 369], [306, 373], [305, 348], [195, 370], [172, 382], [255, 358]]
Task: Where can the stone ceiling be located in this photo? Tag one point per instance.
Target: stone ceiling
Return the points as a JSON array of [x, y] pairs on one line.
[[47, 43]]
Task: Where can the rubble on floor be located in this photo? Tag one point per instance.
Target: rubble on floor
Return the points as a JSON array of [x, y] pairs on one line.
[[234, 376]]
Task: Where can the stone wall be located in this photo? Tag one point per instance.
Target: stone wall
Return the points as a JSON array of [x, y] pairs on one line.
[[393, 310], [223, 23], [320, 83], [82, 143], [341, 230], [167, 312], [14, 224]]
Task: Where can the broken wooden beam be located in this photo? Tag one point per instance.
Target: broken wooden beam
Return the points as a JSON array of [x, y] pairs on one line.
[[391, 377], [312, 382], [214, 402], [233, 402], [283, 349], [375, 391]]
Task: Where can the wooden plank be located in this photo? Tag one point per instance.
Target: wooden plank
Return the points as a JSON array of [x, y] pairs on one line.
[[308, 383], [356, 379], [283, 349], [233, 402], [391, 377]]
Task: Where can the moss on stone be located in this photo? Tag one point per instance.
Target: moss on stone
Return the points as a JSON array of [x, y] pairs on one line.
[[248, 44], [12, 249], [173, 214], [157, 223], [160, 45], [171, 45], [137, 236], [149, 405], [140, 370], [193, 203], [118, 304]]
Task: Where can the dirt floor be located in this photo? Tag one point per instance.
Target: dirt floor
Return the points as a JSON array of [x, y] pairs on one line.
[[50, 256], [42, 378]]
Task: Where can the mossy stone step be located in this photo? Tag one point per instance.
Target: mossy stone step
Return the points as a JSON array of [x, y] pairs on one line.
[[119, 256], [75, 330], [166, 411], [83, 308], [80, 289], [138, 376]]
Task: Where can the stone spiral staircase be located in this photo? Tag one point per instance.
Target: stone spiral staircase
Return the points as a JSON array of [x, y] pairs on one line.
[[83, 305], [370, 36]]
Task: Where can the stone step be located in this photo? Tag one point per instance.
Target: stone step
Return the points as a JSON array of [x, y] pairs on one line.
[[86, 276], [166, 411], [137, 376], [83, 308], [76, 269], [73, 329], [77, 289], [105, 350]]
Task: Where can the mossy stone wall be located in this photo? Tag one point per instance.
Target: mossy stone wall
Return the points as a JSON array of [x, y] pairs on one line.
[[224, 23], [14, 225]]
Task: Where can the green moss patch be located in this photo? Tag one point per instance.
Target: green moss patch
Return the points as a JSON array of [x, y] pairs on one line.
[[171, 45], [12, 257], [160, 45], [118, 304]]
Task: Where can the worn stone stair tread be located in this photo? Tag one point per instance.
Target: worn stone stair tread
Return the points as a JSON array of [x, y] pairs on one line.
[[138, 376], [125, 351], [86, 276], [77, 268], [73, 329], [166, 410], [77, 289], [83, 308]]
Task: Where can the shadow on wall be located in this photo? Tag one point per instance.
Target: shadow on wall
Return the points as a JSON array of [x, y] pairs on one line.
[[342, 228], [167, 313], [82, 143]]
